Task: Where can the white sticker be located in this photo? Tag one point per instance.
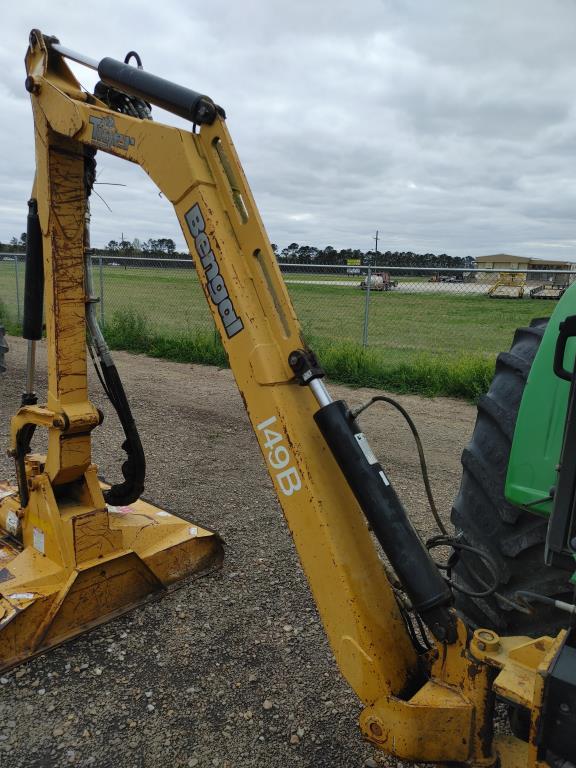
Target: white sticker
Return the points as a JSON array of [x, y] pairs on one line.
[[119, 510], [161, 513], [193, 531], [365, 446], [12, 523], [38, 539], [384, 478], [22, 596]]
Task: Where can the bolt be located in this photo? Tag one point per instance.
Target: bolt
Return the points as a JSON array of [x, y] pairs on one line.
[[31, 85], [376, 729], [486, 640], [58, 422], [565, 708]]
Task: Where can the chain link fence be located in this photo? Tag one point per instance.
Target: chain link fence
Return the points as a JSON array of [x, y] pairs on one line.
[[402, 312], [12, 267]]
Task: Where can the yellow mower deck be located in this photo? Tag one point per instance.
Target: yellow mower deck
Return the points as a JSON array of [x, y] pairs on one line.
[[119, 557]]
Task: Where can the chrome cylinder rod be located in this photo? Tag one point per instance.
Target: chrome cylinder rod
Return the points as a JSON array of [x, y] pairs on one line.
[[79, 58], [320, 392], [30, 367]]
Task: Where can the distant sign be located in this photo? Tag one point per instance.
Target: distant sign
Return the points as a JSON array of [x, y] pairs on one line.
[[353, 262]]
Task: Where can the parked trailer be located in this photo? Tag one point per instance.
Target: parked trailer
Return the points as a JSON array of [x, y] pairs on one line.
[[379, 281], [508, 286], [548, 291]]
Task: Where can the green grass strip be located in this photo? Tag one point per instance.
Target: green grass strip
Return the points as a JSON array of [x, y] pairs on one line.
[[130, 331], [8, 323], [461, 376]]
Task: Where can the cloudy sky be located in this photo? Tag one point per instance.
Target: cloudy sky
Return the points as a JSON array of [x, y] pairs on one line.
[[449, 126]]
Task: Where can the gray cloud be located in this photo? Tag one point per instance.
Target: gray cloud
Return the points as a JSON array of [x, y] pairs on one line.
[[449, 126]]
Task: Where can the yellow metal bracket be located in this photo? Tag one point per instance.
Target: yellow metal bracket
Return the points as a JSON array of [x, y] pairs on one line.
[[521, 665], [69, 561]]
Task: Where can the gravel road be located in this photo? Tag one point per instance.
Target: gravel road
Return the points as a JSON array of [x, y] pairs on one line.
[[232, 670]]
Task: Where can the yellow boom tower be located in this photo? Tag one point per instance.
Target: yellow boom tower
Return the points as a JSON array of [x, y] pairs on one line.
[[78, 552]]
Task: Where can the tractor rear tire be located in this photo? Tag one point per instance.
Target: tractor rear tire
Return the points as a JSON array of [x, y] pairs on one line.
[[485, 519]]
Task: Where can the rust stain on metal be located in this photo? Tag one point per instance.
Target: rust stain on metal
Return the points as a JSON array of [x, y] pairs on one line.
[[473, 670]]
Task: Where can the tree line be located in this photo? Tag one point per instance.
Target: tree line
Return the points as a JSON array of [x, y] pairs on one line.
[[306, 254], [15, 245], [165, 248]]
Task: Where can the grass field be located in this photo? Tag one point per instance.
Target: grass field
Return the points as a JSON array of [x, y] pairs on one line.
[[410, 324], [438, 330], [8, 285]]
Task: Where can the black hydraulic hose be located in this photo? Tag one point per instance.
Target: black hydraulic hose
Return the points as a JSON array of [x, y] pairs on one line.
[[444, 539], [533, 597], [23, 439], [419, 447], [134, 468], [3, 349]]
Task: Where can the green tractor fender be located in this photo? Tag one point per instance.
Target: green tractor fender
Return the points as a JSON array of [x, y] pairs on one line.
[[537, 442]]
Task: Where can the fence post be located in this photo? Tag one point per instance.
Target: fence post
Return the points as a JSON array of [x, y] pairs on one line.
[[101, 293], [367, 306], [17, 288]]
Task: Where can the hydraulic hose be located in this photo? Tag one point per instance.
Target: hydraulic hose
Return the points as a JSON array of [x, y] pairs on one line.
[[3, 349], [134, 468]]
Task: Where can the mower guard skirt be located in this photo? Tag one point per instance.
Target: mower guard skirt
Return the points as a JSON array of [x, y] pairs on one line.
[[124, 556]]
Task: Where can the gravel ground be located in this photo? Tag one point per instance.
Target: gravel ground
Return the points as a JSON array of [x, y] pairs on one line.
[[232, 670]]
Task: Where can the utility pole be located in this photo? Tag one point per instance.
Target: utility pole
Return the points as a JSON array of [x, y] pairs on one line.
[[367, 302]]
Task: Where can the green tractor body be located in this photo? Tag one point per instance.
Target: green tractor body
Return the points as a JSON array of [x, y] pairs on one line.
[[539, 432], [515, 504]]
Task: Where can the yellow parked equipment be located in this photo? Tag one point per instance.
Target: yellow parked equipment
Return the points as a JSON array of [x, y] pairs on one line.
[[78, 554], [73, 551], [508, 286]]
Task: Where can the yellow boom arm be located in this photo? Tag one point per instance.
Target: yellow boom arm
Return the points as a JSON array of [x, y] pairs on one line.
[[432, 707]]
